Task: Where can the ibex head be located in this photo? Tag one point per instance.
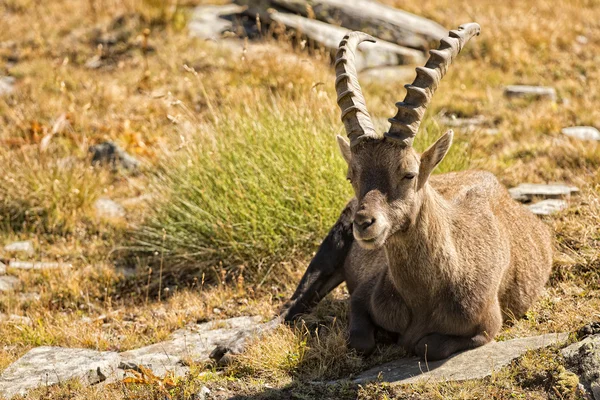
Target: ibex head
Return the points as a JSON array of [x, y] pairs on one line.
[[387, 174]]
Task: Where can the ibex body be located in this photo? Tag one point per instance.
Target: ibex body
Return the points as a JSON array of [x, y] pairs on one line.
[[440, 260]]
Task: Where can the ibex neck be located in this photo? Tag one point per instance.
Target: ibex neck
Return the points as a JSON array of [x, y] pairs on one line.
[[418, 257]]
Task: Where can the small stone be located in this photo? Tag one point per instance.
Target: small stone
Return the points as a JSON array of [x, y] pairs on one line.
[[109, 209], [25, 247], [472, 364], [462, 122], [108, 153], [2, 268], [29, 297], [43, 366], [537, 92], [8, 283], [548, 207], [527, 191], [201, 395], [19, 320], [582, 39], [582, 132], [37, 265], [7, 85]]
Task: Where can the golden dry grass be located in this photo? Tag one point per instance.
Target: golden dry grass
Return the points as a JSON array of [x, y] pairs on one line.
[[155, 108]]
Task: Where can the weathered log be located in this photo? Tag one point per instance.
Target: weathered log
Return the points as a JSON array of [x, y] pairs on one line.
[[378, 20], [329, 36]]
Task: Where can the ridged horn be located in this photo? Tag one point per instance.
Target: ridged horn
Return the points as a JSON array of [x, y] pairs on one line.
[[405, 124], [355, 116]]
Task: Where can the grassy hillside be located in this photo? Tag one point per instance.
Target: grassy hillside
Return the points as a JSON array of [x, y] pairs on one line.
[[241, 179]]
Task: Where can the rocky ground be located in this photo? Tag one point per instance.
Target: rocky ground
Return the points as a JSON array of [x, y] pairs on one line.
[[165, 182]]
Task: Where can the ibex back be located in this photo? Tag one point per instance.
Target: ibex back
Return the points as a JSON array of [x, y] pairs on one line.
[[440, 260]]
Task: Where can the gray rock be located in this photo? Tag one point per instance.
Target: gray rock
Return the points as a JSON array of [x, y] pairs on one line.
[[210, 22], [202, 393], [370, 55], [547, 207], [2, 268], [47, 365], [536, 92], [584, 358], [472, 364], [388, 74], [372, 17], [108, 153], [194, 343], [109, 209], [7, 85], [37, 265], [582, 132], [16, 319], [527, 191], [25, 247], [8, 283], [462, 122]]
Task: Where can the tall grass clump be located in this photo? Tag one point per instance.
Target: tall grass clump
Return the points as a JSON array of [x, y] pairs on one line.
[[266, 185]]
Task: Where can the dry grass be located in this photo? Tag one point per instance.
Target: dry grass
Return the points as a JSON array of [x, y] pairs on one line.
[[169, 117]]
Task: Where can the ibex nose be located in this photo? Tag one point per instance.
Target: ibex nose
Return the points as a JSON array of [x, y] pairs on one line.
[[363, 220]]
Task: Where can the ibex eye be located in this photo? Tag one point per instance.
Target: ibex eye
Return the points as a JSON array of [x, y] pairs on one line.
[[409, 176]]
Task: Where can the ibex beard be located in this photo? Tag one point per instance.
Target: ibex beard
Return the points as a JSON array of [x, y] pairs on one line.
[[439, 260]]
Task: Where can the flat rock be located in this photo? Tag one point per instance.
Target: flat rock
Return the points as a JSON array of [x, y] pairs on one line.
[[109, 209], [48, 365], [25, 247], [547, 207], [370, 55], [194, 344], [462, 122], [7, 85], [37, 265], [210, 22], [16, 319], [527, 191], [584, 358], [536, 92], [582, 132], [8, 283], [473, 364]]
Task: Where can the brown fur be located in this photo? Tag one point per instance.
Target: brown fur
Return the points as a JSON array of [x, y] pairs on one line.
[[440, 261]]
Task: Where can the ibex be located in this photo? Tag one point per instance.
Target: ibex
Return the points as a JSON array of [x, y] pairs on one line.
[[440, 260]]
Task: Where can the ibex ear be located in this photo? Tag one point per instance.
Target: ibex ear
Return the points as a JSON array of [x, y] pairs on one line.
[[344, 148], [433, 156]]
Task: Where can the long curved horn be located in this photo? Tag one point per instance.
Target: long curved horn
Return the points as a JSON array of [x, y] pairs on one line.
[[405, 124], [355, 116]]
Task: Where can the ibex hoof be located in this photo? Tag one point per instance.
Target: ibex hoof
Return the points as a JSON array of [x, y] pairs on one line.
[[433, 347], [362, 342]]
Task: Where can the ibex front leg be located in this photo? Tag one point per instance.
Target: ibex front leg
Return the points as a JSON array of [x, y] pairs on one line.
[[437, 346], [326, 270]]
